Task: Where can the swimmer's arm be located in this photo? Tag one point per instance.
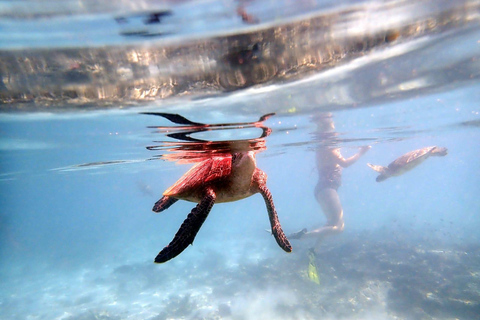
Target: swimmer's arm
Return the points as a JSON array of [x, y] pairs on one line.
[[351, 160]]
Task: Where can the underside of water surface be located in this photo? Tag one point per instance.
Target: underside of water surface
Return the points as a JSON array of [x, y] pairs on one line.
[[185, 53]]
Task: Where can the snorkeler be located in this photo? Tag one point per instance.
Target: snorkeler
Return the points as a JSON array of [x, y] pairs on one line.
[[329, 163]]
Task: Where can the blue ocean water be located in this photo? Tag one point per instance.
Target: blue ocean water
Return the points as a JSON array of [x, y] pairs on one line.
[[78, 236]]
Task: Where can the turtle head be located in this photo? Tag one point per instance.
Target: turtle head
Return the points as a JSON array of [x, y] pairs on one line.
[[324, 121], [381, 178], [440, 151]]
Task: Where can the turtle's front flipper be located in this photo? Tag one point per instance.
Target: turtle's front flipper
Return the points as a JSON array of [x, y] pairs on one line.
[[188, 230], [163, 204], [272, 215]]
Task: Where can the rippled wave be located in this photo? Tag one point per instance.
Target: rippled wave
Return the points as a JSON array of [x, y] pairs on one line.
[[125, 56]]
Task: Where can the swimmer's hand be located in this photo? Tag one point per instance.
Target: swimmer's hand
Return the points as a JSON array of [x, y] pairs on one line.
[[364, 149]]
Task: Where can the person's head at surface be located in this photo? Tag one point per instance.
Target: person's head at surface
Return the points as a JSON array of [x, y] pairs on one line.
[[324, 122], [325, 134]]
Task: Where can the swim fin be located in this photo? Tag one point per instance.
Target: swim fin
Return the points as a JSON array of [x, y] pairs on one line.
[[312, 268]]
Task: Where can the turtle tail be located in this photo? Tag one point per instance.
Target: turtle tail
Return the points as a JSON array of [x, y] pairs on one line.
[[275, 224], [188, 230]]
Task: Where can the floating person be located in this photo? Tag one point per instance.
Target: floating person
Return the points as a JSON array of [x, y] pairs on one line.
[[148, 17], [329, 163], [247, 18], [142, 24], [224, 174], [407, 162]]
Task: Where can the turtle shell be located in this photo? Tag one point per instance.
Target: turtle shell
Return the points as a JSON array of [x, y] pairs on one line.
[[204, 172], [410, 159]]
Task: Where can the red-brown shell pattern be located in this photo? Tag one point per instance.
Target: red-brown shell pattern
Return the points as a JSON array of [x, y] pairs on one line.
[[206, 171], [409, 157]]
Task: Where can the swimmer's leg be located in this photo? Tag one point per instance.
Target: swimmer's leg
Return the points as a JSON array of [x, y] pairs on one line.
[[332, 208]]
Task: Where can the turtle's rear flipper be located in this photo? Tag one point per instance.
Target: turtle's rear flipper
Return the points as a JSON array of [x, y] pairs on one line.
[[275, 224], [377, 168], [188, 230], [163, 204]]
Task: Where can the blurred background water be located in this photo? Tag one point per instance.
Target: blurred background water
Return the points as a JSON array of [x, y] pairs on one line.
[[82, 164]]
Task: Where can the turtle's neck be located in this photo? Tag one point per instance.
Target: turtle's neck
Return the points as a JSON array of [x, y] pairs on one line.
[[243, 166]]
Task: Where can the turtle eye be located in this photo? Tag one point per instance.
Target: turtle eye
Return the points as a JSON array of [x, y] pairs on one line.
[[237, 156]]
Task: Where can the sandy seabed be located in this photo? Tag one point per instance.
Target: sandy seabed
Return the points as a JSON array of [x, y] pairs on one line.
[[361, 277]]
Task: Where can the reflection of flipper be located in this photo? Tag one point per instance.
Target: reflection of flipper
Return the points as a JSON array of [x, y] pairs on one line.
[[175, 118], [178, 119], [274, 223], [312, 268], [266, 116], [188, 230], [163, 204]]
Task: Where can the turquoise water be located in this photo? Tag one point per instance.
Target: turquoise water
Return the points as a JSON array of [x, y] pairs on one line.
[[78, 236]]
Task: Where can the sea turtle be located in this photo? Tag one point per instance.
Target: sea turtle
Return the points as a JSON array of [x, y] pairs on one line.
[[217, 179], [407, 162]]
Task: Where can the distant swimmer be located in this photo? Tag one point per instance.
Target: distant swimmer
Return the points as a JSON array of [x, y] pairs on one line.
[[247, 18], [407, 162], [330, 163]]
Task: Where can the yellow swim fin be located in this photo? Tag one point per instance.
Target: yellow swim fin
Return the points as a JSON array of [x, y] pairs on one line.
[[312, 268]]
